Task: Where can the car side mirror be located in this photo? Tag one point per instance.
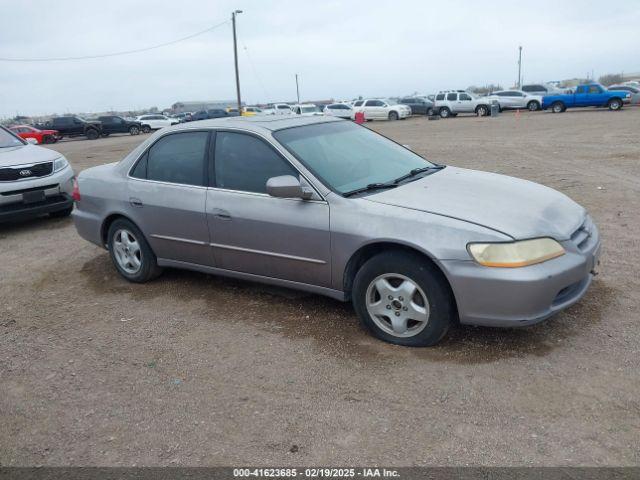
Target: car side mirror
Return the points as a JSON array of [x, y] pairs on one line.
[[32, 141], [287, 186]]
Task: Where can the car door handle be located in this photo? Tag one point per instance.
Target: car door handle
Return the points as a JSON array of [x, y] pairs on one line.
[[135, 202], [219, 213]]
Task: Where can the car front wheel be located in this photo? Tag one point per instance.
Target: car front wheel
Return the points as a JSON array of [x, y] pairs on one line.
[[393, 116], [403, 299], [130, 252], [134, 130], [445, 112], [146, 129]]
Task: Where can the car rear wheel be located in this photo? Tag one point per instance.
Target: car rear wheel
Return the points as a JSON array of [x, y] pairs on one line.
[[130, 252], [393, 115], [533, 106], [146, 129], [558, 107], [401, 298], [134, 130], [614, 104], [482, 111], [445, 112], [430, 112], [92, 134]]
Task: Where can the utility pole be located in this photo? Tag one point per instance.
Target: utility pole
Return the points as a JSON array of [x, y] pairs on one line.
[[297, 89], [520, 66], [235, 58]]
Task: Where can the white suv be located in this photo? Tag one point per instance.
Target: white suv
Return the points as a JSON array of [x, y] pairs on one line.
[[377, 109], [33, 180], [450, 103]]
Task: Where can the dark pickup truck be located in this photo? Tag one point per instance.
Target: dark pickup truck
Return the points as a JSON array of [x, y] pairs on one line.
[[115, 124], [73, 127]]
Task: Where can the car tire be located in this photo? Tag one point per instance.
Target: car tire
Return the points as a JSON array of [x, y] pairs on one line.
[[146, 129], [614, 104], [130, 253], [482, 111], [393, 115], [61, 213], [557, 107], [402, 298], [445, 112], [533, 106], [48, 139], [105, 135], [93, 134], [134, 130], [430, 112]]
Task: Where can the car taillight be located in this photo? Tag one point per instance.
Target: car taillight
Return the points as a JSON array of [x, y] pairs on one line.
[[76, 190]]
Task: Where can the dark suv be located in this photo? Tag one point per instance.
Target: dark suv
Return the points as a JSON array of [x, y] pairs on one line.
[[418, 105], [115, 124], [207, 114]]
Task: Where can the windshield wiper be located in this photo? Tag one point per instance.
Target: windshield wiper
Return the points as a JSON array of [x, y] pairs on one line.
[[371, 186], [417, 171]]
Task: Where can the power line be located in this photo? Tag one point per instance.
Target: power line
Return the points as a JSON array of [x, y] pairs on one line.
[[255, 72], [114, 54]]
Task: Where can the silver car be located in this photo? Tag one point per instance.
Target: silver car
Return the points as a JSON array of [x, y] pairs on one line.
[[33, 180], [327, 206]]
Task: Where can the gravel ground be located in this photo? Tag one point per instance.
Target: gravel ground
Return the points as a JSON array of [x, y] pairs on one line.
[[197, 370]]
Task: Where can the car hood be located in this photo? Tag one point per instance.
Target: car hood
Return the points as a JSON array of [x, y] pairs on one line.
[[515, 207], [25, 155]]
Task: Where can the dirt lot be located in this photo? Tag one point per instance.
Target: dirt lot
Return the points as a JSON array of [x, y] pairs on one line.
[[197, 370]]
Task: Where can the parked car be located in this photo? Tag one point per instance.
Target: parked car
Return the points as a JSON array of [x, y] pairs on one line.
[[41, 136], [251, 111], [306, 109], [33, 180], [116, 124], [634, 91], [155, 121], [450, 103], [418, 105], [587, 95], [183, 116], [543, 89], [278, 109], [340, 110], [207, 114], [425, 257], [73, 126], [381, 109], [516, 99]]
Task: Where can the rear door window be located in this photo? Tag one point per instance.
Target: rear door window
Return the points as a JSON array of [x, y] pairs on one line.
[[176, 158], [452, 97]]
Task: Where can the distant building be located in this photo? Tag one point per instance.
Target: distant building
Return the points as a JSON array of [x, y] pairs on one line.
[[180, 107]]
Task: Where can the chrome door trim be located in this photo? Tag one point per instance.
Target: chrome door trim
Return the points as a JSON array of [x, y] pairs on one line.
[[177, 239], [268, 254], [264, 195], [306, 287]]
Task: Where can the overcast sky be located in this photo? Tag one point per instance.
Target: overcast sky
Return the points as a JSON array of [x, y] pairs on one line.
[[341, 49]]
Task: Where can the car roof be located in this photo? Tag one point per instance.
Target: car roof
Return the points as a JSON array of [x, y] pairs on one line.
[[258, 123]]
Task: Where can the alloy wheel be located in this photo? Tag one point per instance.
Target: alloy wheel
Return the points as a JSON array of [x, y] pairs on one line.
[[127, 251], [397, 305]]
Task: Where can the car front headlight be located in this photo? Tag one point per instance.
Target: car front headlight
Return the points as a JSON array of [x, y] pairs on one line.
[[515, 254], [59, 164]]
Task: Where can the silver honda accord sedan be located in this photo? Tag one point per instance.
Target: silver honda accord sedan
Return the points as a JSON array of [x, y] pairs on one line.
[[327, 206]]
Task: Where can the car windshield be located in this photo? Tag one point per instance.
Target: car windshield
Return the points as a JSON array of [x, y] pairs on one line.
[[346, 156], [8, 140]]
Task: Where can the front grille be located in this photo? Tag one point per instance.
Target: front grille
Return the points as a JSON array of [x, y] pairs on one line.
[[582, 236], [12, 174]]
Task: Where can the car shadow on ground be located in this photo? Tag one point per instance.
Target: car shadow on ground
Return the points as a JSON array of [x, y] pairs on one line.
[[333, 326]]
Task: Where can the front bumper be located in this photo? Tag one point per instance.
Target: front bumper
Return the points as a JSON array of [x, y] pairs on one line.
[[516, 297], [57, 189]]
